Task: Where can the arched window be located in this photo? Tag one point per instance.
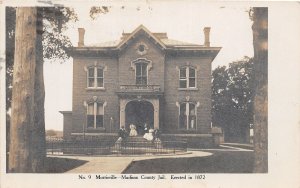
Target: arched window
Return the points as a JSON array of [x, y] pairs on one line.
[[95, 113], [141, 73], [187, 77], [187, 116], [141, 66], [95, 77]]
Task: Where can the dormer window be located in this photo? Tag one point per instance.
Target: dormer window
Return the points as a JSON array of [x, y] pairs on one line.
[[187, 77], [95, 77]]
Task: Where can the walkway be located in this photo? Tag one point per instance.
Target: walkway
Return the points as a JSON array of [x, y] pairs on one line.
[[117, 164]]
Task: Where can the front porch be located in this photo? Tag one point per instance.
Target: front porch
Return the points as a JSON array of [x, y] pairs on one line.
[[140, 105]]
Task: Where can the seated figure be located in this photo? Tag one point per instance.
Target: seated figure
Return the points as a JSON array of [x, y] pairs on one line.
[[149, 136], [133, 131], [122, 134]]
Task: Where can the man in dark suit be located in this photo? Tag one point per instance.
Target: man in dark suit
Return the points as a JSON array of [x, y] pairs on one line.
[[122, 133]]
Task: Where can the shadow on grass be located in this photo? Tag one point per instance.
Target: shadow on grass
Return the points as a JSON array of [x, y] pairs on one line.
[[60, 165], [219, 162]]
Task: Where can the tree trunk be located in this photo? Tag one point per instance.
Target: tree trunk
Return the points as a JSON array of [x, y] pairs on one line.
[[38, 131], [23, 91], [260, 41]]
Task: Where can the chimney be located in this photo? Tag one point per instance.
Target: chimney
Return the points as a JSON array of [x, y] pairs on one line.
[[81, 32], [206, 36]]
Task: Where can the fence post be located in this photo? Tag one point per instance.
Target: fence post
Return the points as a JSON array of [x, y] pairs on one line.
[[174, 148]]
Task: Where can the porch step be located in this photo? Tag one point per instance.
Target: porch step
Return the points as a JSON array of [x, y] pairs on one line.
[[137, 141]]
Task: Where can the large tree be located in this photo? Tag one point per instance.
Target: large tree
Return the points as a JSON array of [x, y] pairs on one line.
[[260, 44], [232, 99], [49, 43], [23, 91]]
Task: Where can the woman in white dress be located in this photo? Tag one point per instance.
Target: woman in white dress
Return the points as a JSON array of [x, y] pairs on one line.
[[149, 136], [132, 130]]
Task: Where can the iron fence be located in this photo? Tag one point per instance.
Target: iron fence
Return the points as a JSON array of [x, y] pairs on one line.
[[109, 147]]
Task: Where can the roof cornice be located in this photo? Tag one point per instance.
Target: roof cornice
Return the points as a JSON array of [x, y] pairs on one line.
[[114, 51]]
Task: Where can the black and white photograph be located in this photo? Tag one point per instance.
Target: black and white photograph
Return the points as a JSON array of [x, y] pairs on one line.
[[164, 93]]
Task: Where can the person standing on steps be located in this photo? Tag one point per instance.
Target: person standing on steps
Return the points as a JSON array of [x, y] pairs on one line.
[[133, 131]]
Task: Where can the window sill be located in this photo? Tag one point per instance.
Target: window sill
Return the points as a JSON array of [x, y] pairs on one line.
[[95, 89], [188, 89], [98, 128]]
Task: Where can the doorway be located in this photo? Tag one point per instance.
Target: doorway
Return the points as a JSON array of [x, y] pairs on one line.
[[139, 113]]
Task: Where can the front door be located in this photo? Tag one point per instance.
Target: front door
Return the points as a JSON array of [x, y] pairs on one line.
[[139, 113]]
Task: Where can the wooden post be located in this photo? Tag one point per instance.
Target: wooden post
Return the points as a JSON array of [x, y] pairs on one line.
[[83, 127]]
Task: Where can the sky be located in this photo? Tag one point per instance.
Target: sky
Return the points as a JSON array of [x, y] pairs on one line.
[[230, 29]]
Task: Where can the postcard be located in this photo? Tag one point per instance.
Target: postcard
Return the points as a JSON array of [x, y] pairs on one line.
[[149, 93]]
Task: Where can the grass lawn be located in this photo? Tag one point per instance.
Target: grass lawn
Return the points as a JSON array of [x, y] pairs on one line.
[[219, 162], [60, 165], [57, 165]]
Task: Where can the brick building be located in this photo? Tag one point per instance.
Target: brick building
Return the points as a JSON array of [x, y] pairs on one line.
[[142, 78]]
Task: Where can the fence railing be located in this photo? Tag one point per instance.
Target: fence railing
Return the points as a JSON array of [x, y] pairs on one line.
[[108, 147]]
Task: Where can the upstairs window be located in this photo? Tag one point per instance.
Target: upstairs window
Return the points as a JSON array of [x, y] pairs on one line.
[[95, 115], [187, 116], [187, 77], [95, 77], [141, 73]]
